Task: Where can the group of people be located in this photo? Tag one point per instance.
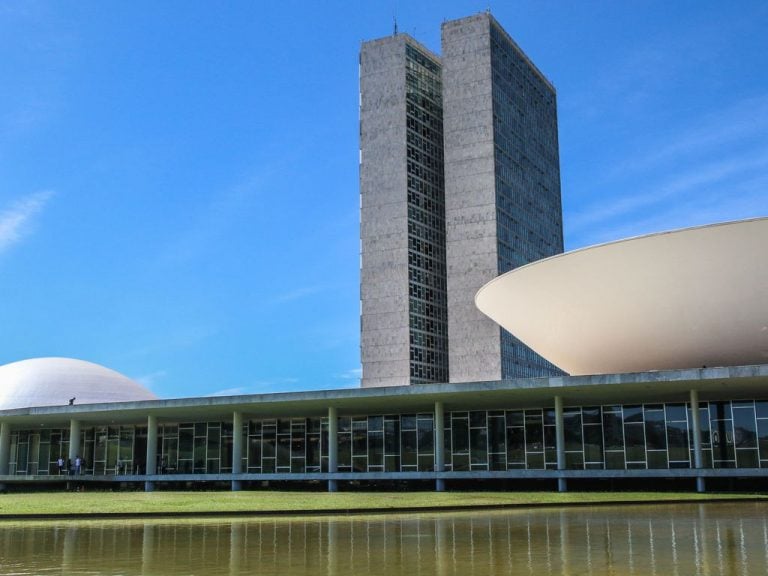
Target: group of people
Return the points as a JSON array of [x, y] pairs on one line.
[[77, 468]]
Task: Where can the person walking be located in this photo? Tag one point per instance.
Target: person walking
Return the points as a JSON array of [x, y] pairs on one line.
[[60, 464], [78, 465]]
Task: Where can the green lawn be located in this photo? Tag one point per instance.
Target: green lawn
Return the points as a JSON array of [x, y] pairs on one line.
[[55, 503]]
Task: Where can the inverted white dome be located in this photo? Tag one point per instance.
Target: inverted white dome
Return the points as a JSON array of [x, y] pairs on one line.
[[682, 299], [53, 381]]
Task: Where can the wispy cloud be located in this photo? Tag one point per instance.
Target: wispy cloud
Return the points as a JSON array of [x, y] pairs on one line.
[[286, 384], [16, 221], [149, 380], [297, 294]]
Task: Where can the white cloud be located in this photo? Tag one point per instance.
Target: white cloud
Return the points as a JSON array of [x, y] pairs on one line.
[[15, 221]]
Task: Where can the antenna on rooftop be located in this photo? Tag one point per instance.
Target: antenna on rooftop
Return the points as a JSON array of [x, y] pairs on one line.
[[394, 18]]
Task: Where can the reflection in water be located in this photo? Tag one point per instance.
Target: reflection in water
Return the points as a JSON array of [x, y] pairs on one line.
[[678, 540]]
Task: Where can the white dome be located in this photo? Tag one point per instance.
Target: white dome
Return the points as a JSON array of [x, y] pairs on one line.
[[53, 381], [682, 299]]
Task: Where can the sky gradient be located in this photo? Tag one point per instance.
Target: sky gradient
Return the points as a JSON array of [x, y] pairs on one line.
[[179, 181]]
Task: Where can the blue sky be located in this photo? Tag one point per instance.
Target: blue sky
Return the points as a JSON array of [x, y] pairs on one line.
[[178, 180]]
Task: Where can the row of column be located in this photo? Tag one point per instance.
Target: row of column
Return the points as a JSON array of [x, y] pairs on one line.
[[333, 458]]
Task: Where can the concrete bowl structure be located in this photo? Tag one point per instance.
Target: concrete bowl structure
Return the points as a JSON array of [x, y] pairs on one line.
[[688, 298], [54, 381]]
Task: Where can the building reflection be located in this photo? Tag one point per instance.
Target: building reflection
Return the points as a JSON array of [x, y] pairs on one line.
[[657, 540]]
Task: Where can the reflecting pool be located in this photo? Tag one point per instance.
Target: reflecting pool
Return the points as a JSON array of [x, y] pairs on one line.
[[691, 539]]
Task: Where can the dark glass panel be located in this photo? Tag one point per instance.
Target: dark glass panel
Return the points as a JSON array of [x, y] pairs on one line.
[[655, 431], [375, 423], [657, 459], [496, 435], [360, 463], [762, 438], [392, 437], [534, 437], [633, 413], [675, 412], [515, 418], [408, 447], [298, 445], [635, 442], [677, 441], [226, 452], [359, 442], [747, 458], [591, 415], [612, 430], [497, 462], [516, 445], [408, 421], [533, 416], [426, 462], [344, 424], [761, 408], [572, 429], [549, 416], [213, 442], [593, 443], [199, 457], [720, 410], [574, 460], [345, 450], [375, 448], [534, 461], [186, 444], [392, 463], [744, 428], [426, 434], [283, 427], [254, 453], [477, 419], [478, 442], [313, 449], [722, 440], [614, 461], [460, 462], [459, 435], [550, 438], [200, 429]]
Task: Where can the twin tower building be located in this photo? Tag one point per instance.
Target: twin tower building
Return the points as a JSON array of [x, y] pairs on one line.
[[459, 182]]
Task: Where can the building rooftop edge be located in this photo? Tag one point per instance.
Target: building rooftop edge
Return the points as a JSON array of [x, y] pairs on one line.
[[415, 391]]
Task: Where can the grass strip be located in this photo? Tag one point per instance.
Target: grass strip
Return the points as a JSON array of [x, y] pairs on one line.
[[101, 503]]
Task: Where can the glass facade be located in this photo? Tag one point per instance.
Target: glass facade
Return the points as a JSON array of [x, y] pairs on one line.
[[633, 436], [527, 176], [428, 312]]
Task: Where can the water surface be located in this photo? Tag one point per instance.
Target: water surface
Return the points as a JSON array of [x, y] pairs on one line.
[[668, 540]]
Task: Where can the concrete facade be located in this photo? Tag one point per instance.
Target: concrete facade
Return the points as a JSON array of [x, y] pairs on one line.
[[403, 300], [502, 193], [383, 214], [456, 187], [474, 342]]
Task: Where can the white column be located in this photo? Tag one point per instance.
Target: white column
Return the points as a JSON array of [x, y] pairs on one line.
[[237, 448], [698, 461], [333, 446], [562, 485], [150, 465], [439, 445], [5, 447]]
